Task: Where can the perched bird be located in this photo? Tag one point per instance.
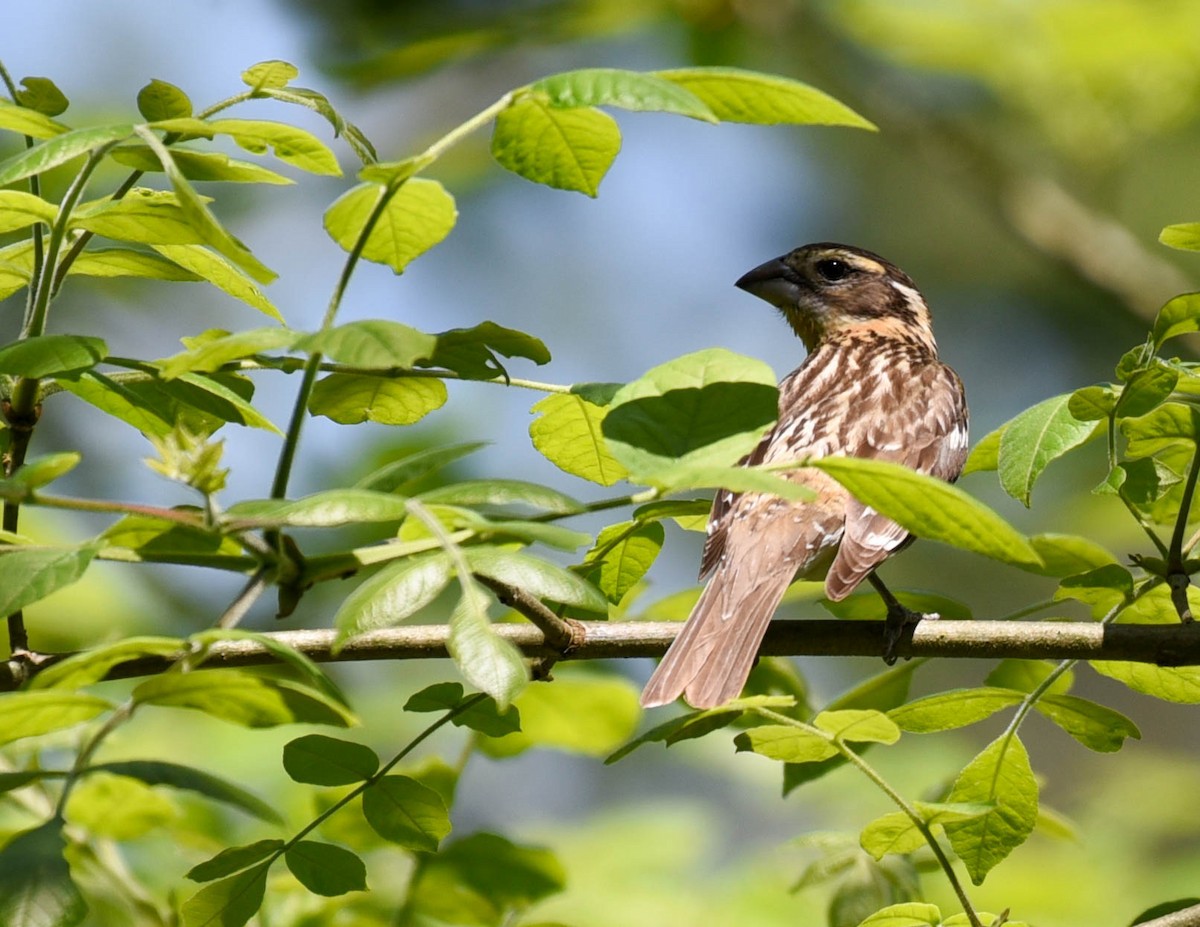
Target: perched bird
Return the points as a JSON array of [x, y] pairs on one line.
[[871, 386]]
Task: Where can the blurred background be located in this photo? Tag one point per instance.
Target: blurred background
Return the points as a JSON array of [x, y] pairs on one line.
[[1029, 154]]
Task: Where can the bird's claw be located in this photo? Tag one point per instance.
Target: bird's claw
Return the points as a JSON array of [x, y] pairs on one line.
[[898, 619]]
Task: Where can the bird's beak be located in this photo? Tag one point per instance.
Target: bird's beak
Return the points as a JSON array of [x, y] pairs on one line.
[[773, 281]]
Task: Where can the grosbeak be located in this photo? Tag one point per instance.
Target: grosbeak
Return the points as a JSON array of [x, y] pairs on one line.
[[871, 386]]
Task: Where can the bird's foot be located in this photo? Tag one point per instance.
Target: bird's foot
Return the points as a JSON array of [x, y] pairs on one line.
[[898, 619]]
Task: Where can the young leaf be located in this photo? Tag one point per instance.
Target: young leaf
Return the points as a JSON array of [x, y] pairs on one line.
[[404, 811], [986, 453], [30, 714], [896, 833], [503, 492], [213, 353], [326, 869], [1146, 390], [319, 103], [26, 121], [946, 711], [126, 262], [930, 508], [858, 725], [160, 100], [51, 355], [1033, 439], [290, 144], [59, 149], [535, 576], [328, 509], [350, 399], [1093, 403], [148, 412], [19, 209], [230, 902], [734, 95], [210, 266], [371, 343], [710, 407], [1171, 424], [43, 95], [36, 888], [269, 75], [1095, 726], [1068, 554], [233, 859], [243, 698], [786, 743], [160, 772], [1179, 684], [41, 471], [200, 165], [999, 776], [28, 574], [91, 666], [908, 914], [486, 660], [567, 149], [1184, 237], [625, 89], [698, 723], [152, 217], [622, 555], [397, 591], [568, 433], [415, 218], [319, 760]]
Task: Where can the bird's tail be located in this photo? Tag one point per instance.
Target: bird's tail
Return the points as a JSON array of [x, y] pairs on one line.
[[709, 660]]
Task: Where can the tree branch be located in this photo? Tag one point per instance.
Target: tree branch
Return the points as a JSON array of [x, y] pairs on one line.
[[1164, 645]]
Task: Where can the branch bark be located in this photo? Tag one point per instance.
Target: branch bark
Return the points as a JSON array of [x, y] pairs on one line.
[[1164, 645]]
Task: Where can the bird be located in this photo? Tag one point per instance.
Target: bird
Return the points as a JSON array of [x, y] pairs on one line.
[[871, 386]]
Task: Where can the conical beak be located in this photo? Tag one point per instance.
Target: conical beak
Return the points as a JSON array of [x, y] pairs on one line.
[[773, 281]]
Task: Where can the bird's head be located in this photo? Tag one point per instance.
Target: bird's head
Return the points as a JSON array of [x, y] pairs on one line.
[[826, 289]]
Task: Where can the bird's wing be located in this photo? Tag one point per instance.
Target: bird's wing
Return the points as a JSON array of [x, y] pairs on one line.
[[926, 431]]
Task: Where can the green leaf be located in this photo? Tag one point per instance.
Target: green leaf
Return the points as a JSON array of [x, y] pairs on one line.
[[212, 353], [1028, 675], [1171, 684], [401, 473], [956, 708], [152, 217], [471, 352], [868, 606], [581, 713], [319, 103], [568, 433], [1143, 482], [734, 95], [209, 266], [415, 217], [908, 914], [930, 508], [405, 812], [327, 509], [160, 100], [1147, 389], [91, 666], [201, 218], [43, 95], [125, 262], [397, 591], [230, 902], [108, 806], [1183, 237], [200, 165], [896, 833], [1093, 403], [1001, 776], [483, 716], [59, 149], [986, 453], [858, 725], [371, 343], [242, 698], [41, 471], [36, 889], [710, 407], [270, 74], [1095, 726], [625, 89], [1033, 439], [786, 743], [698, 723], [326, 869], [290, 144], [150, 414], [233, 859], [622, 555], [31, 714], [26, 121], [319, 760], [28, 574], [19, 209], [567, 149], [486, 660], [1068, 554], [283, 652], [1171, 424], [503, 492], [1102, 589], [211, 395], [160, 772], [539, 578], [51, 355], [350, 399]]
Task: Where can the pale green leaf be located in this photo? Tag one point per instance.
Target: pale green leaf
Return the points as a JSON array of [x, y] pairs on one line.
[[1095, 726], [908, 914], [19, 209], [1033, 439], [625, 89], [59, 149], [31, 714], [735, 95], [567, 432], [1093, 403], [161, 100], [622, 555], [1184, 237], [270, 74], [200, 165], [1180, 684], [1028, 675], [896, 832], [158, 772], [930, 508], [1171, 424], [242, 698], [28, 574], [538, 577], [213, 353], [486, 660], [91, 666], [26, 121], [568, 149], [1069, 554], [415, 218], [986, 453], [397, 591], [210, 266], [110, 806], [125, 262], [152, 416], [349, 399], [145, 216], [51, 355], [956, 708], [504, 492], [858, 725], [371, 343], [786, 743], [290, 144], [1000, 776], [326, 509], [319, 103]]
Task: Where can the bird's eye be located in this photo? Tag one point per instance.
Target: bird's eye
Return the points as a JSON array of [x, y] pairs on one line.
[[833, 270]]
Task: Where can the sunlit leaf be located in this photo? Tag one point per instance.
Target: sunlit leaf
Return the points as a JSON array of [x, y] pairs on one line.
[[161, 772], [270, 74], [1095, 726], [326, 509], [160, 100], [58, 149], [19, 209], [535, 576], [51, 355], [371, 343], [956, 708], [289, 143], [211, 166], [504, 492], [568, 433], [568, 149], [210, 266], [1034, 439], [213, 353], [91, 666], [1185, 236], [350, 399], [786, 743], [625, 89], [486, 660], [30, 714], [1179, 684], [622, 555], [28, 574], [394, 593], [26, 121], [415, 218]]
